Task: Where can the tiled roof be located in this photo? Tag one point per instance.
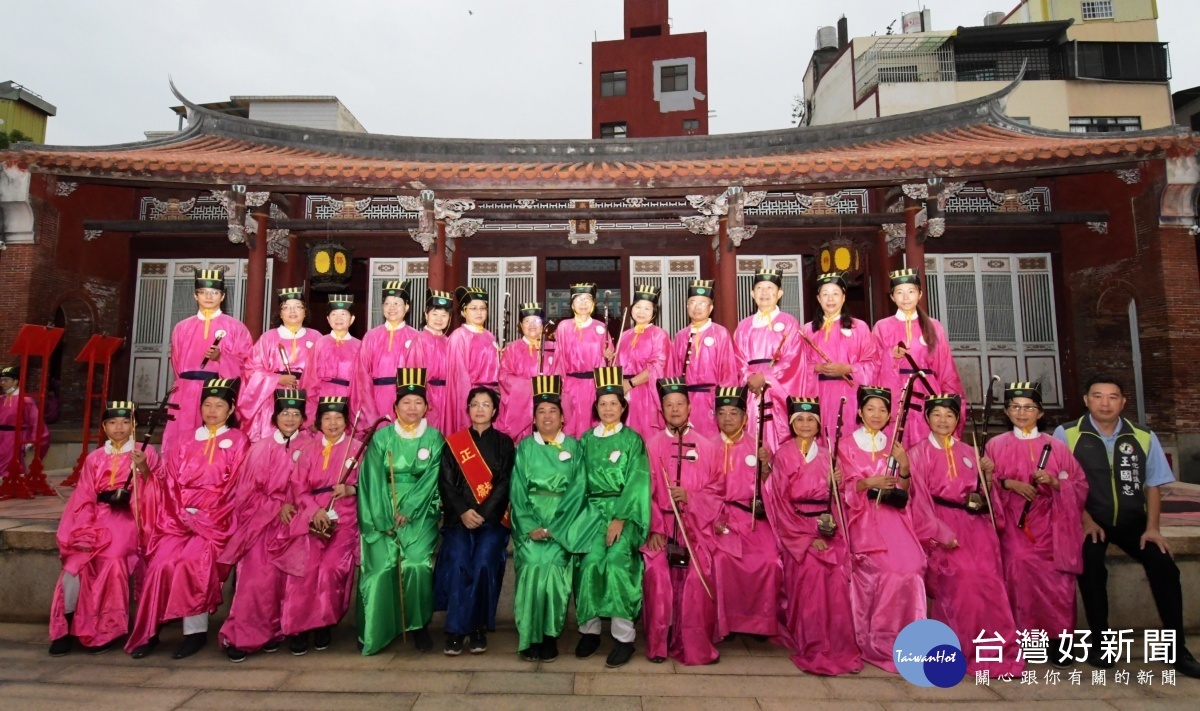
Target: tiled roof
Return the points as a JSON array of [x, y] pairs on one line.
[[969, 139]]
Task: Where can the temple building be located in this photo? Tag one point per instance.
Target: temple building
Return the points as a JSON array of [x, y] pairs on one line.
[[1048, 255]]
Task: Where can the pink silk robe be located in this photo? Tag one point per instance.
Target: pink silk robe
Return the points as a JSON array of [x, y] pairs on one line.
[[189, 341], [29, 430], [679, 617], [712, 364], [473, 360], [333, 367], [1040, 563], [776, 351], [320, 577], [381, 354], [893, 372], [635, 353], [854, 347], [818, 622], [189, 515], [262, 490], [579, 350], [518, 366], [432, 351], [966, 583], [746, 564], [888, 567], [256, 400], [111, 537]]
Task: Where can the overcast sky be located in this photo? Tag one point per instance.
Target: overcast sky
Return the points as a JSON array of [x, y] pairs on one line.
[[461, 68]]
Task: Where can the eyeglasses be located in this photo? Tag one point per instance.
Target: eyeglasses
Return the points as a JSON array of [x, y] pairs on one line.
[[209, 292], [476, 309], [1023, 408]]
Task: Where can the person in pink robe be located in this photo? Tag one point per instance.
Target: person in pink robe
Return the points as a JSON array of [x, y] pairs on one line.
[[841, 351], [680, 611], [746, 566], [188, 514], [98, 540], [818, 624], [474, 356], [192, 344], [323, 546], [521, 361], [888, 564], [925, 340], [770, 355], [580, 344], [1043, 506], [336, 356], [30, 430], [965, 574], [642, 353], [262, 495], [432, 350], [385, 349], [279, 360], [702, 354]]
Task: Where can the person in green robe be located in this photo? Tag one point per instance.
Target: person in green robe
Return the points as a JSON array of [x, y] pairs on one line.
[[612, 525], [398, 514], [547, 493]]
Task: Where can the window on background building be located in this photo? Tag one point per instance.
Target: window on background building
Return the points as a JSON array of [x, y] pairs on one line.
[[999, 315], [1104, 124], [1119, 61], [612, 83], [691, 125], [1097, 9], [674, 78], [613, 130]]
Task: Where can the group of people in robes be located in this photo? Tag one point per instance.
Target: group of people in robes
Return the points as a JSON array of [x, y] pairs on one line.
[[803, 483]]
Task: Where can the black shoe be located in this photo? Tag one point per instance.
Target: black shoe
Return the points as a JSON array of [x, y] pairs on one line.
[[422, 640], [271, 647], [530, 654], [657, 660], [1096, 659], [588, 644], [144, 650], [299, 645], [235, 655], [100, 649], [453, 646], [478, 642], [761, 638], [192, 643], [322, 638], [716, 660], [61, 646], [619, 656], [1186, 664], [549, 650]]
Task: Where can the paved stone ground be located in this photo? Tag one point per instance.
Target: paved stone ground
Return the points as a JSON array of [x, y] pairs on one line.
[[749, 676]]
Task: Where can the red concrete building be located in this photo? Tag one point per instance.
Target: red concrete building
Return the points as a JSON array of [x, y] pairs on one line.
[[650, 83]]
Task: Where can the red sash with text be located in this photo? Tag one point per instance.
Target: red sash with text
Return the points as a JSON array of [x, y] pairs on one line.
[[474, 468]]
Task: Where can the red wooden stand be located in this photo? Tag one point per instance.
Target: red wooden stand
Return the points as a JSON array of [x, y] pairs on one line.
[[98, 353], [32, 342]]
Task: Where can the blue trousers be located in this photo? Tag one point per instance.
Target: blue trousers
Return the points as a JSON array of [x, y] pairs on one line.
[[468, 576]]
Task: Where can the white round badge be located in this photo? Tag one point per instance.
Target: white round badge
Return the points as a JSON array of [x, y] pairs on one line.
[[692, 456], [221, 333], [408, 343], [616, 454], [350, 462], [1063, 475], [750, 460], [564, 456], [308, 344], [847, 332], [778, 327], [296, 456], [225, 443], [709, 340], [967, 461], [600, 330], [422, 454]]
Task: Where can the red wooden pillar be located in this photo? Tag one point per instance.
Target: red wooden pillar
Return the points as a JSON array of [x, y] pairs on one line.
[[725, 312], [914, 247], [437, 259], [256, 274], [880, 265]]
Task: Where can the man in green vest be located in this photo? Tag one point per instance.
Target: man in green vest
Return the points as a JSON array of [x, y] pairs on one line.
[[1125, 466]]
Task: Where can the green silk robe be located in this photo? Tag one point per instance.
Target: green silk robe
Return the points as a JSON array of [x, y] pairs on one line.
[[616, 477], [548, 492], [413, 467]]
